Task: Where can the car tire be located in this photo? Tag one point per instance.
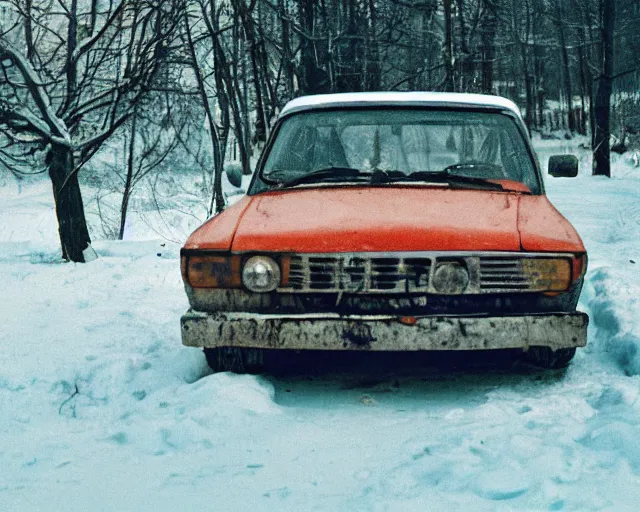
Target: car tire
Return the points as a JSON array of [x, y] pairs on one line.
[[545, 357], [235, 359]]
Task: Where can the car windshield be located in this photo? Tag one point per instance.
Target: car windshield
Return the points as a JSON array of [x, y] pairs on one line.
[[350, 145]]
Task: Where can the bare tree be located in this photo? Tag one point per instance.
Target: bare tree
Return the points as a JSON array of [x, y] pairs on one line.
[[447, 53], [602, 144], [70, 77], [151, 139], [217, 145], [560, 22]]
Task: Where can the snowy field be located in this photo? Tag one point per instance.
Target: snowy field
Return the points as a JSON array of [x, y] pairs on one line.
[[101, 408]]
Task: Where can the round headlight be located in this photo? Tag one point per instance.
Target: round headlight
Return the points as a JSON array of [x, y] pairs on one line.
[[261, 274], [450, 279]]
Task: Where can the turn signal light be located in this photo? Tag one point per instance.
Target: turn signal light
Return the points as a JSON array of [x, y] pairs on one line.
[[547, 274], [213, 271]]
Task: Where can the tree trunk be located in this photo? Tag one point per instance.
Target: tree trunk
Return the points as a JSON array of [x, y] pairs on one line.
[[350, 76], [223, 134], [213, 129], [226, 71], [488, 34], [28, 29], [287, 54], [466, 64], [448, 47], [314, 80], [602, 149], [566, 70], [373, 69], [590, 78], [126, 194], [72, 224], [248, 26], [538, 35], [585, 83], [524, 61]]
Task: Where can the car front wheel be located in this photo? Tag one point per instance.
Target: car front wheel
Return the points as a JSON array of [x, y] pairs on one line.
[[544, 357]]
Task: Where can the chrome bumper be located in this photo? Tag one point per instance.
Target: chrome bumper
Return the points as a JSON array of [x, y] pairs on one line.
[[382, 332]]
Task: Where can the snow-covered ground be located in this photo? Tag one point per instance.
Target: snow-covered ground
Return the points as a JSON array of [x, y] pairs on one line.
[[101, 408]]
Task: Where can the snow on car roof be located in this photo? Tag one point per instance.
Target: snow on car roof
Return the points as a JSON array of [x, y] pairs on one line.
[[422, 99]]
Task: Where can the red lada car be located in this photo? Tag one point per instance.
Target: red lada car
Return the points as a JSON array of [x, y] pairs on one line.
[[389, 222]]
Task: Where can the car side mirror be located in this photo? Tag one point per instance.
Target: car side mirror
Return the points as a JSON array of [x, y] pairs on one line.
[[234, 174], [563, 166]]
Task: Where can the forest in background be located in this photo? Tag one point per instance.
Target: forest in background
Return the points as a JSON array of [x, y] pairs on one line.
[[192, 84]]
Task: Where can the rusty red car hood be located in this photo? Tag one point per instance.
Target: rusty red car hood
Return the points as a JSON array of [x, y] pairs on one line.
[[381, 219]]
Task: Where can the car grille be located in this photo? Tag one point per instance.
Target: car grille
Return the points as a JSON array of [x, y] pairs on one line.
[[359, 274], [401, 273], [502, 274]]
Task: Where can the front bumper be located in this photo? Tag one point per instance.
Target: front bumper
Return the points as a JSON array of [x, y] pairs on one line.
[[382, 332]]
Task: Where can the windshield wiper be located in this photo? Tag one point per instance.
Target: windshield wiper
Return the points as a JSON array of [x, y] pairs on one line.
[[328, 173], [471, 166], [380, 176], [445, 176], [454, 180]]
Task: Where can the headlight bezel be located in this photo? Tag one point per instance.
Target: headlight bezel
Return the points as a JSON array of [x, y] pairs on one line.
[[268, 268]]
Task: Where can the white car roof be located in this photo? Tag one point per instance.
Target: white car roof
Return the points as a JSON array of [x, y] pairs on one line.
[[405, 99]]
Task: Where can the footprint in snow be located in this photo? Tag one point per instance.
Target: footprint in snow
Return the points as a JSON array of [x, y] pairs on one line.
[[608, 398], [282, 493], [139, 395], [120, 438], [500, 485]]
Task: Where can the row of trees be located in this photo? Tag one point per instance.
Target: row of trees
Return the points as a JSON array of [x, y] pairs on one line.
[[198, 77]]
